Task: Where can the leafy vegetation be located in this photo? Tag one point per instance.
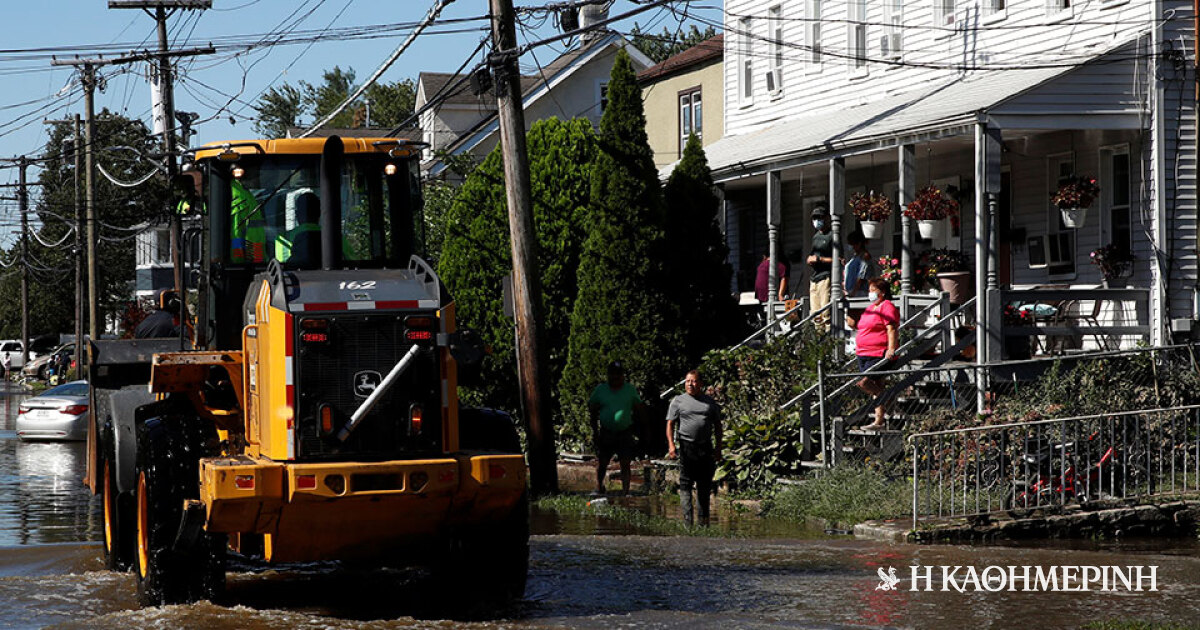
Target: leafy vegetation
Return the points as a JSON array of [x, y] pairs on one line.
[[575, 505], [622, 310], [697, 258], [120, 209], [762, 442], [284, 106], [668, 43], [845, 496], [476, 254]]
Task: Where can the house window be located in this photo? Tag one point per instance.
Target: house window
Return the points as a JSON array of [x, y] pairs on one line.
[[603, 96], [857, 36], [1060, 240], [813, 26], [1057, 8], [775, 19], [891, 43], [745, 61], [1115, 178], [943, 12], [691, 117], [994, 8]]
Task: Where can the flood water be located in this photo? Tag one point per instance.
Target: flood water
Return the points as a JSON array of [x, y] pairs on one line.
[[586, 572]]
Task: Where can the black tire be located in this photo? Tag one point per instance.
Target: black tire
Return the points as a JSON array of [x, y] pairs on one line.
[[160, 573], [497, 550], [168, 456], [44, 373], [119, 520]]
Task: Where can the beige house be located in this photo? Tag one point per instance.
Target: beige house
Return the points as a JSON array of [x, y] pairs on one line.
[[684, 95]]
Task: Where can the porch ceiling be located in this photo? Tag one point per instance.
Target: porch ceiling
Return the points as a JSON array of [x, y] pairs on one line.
[[940, 111]]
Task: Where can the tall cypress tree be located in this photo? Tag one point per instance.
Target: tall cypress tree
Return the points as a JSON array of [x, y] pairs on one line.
[[477, 256], [698, 260], [622, 310]]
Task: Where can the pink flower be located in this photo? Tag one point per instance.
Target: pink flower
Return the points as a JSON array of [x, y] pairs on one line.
[[895, 261]]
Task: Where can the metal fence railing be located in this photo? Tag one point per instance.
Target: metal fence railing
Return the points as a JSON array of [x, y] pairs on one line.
[[1053, 463]]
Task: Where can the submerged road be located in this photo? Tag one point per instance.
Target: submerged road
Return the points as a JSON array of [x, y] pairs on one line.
[[586, 572]]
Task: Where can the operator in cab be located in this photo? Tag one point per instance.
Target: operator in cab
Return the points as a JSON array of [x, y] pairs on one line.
[[301, 245], [163, 322]]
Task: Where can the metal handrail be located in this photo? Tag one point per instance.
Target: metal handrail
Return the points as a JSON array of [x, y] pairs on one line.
[[757, 334], [944, 322], [963, 469]]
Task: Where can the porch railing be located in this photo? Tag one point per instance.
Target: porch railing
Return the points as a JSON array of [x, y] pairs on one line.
[[1062, 319], [1054, 463]]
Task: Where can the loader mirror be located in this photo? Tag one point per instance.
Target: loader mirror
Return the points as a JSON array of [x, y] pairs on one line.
[[468, 350]]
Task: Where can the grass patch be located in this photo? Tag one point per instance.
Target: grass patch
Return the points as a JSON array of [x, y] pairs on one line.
[[577, 506], [845, 496]]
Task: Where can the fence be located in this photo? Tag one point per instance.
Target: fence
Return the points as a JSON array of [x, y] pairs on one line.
[[1055, 463]]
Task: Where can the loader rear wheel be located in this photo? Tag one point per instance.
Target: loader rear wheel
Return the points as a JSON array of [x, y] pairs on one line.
[[489, 565], [118, 521]]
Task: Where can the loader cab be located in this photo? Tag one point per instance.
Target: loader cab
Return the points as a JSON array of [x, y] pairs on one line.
[[311, 203]]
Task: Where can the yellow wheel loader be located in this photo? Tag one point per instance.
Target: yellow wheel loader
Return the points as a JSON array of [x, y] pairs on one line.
[[312, 412]]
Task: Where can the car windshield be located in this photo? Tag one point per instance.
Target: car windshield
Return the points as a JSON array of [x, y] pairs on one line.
[[69, 389]]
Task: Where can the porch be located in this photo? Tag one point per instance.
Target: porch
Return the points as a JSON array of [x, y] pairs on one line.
[[1000, 146]]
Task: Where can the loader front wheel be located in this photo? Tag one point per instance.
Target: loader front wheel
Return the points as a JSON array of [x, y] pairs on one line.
[[161, 576]]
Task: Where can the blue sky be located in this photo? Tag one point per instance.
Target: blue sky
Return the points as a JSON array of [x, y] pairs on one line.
[[221, 87], [213, 86]]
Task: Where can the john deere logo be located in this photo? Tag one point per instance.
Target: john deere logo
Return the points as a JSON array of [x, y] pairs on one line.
[[366, 382]]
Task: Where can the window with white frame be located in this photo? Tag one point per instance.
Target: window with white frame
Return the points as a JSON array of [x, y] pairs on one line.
[[943, 12], [775, 26], [994, 8], [1060, 240], [892, 42], [1057, 8], [691, 117], [745, 61], [857, 35], [813, 31], [1116, 181]]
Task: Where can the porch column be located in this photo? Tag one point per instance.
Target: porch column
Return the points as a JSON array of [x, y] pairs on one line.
[[837, 205], [907, 164], [774, 216], [987, 189]]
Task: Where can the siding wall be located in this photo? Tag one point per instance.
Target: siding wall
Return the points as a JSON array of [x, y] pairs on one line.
[[661, 101], [1024, 34]]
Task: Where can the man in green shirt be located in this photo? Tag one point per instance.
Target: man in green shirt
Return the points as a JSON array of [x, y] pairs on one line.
[[611, 408]]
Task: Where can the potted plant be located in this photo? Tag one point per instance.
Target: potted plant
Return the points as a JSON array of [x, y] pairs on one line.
[[952, 270], [1074, 197], [890, 272], [929, 207], [870, 210], [1114, 261], [1017, 346]]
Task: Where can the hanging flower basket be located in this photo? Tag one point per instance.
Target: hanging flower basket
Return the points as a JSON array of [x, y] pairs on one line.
[[870, 207], [1074, 217], [871, 229], [931, 229], [1074, 197], [930, 206]]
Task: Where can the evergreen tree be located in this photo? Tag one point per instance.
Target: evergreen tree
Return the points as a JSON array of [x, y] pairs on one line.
[[622, 310], [119, 211], [476, 254], [698, 263], [669, 43]]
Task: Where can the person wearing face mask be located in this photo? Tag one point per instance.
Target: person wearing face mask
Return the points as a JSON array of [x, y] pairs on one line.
[[876, 341], [820, 259]]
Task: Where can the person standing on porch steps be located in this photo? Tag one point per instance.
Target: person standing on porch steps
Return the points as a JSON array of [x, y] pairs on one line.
[[697, 419], [820, 259]]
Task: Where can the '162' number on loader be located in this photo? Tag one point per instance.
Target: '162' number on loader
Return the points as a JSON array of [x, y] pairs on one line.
[[355, 285]]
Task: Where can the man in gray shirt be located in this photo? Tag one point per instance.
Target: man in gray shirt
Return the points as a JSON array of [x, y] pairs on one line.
[[697, 417]]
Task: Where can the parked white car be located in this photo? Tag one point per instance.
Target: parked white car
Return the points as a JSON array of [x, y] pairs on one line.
[[11, 348]]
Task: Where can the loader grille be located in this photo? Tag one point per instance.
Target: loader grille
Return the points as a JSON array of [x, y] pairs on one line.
[[327, 374]]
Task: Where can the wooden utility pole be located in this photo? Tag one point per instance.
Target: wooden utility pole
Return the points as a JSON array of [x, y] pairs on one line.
[[166, 97], [23, 200], [527, 291], [79, 370]]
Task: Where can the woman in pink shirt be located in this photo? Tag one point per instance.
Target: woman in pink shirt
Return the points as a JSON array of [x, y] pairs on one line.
[[877, 339]]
